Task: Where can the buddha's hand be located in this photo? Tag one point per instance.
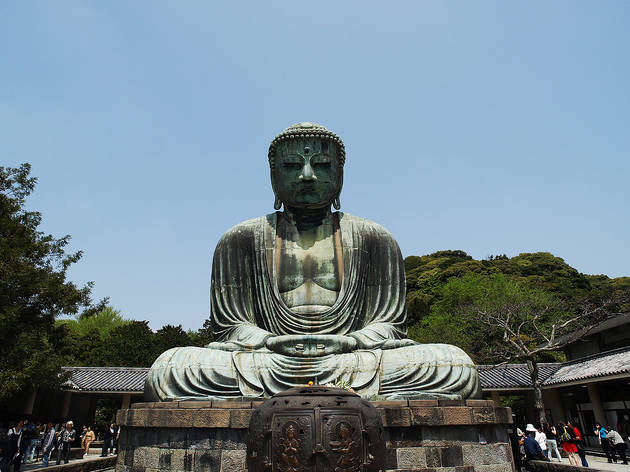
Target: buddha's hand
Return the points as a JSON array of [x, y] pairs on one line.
[[396, 343], [235, 346], [223, 346], [311, 345], [385, 343]]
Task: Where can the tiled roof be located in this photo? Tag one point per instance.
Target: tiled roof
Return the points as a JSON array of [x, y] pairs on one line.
[[598, 365], [512, 376], [107, 379]]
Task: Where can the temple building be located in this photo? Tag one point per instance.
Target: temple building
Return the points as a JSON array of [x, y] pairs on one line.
[[592, 386]]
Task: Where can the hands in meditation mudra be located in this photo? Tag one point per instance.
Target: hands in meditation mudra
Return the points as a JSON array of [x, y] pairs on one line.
[[308, 294]]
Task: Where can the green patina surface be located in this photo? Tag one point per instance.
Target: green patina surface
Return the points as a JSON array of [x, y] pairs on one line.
[[309, 294]]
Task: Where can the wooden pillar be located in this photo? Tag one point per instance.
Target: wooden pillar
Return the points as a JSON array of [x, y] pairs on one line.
[[553, 402], [596, 401], [92, 409], [126, 401], [30, 403], [66, 404], [496, 397]]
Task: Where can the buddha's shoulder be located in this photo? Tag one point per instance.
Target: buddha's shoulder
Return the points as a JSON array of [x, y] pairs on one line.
[[363, 225], [244, 229]]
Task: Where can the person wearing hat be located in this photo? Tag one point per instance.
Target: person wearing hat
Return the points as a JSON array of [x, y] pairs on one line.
[[532, 448]]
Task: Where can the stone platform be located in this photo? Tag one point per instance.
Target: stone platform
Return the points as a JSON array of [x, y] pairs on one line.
[[421, 435]]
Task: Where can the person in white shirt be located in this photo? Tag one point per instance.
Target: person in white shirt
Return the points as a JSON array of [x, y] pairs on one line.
[[618, 443], [541, 439]]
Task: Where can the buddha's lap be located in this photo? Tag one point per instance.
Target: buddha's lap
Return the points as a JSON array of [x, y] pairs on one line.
[[392, 360], [433, 370]]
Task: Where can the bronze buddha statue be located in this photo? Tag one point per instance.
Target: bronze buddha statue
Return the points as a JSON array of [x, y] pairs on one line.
[[309, 294]]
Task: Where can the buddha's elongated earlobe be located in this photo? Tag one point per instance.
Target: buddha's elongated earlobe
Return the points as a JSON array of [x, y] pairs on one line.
[[277, 204], [336, 203]]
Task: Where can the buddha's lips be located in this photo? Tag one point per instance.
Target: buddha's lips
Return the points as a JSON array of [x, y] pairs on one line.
[[306, 188]]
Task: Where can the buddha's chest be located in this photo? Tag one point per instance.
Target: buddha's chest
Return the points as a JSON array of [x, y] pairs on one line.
[[298, 265], [307, 269]]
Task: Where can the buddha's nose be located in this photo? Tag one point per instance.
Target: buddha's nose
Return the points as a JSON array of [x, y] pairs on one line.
[[307, 173]]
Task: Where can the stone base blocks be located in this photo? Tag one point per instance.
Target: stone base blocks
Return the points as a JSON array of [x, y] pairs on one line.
[[421, 436]]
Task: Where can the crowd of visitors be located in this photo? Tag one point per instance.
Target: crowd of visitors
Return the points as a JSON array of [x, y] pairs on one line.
[[544, 443], [26, 442]]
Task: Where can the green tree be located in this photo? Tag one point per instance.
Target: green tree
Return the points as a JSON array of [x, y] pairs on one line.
[[101, 322], [170, 336], [500, 318], [130, 345], [34, 290], [203, 336], [426, 275]]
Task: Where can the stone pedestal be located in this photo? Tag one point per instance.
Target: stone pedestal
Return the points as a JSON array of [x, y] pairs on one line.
[[421, 435]]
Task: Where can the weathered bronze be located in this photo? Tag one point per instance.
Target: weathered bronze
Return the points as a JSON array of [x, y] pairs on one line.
[[309, 294], [315, 429]]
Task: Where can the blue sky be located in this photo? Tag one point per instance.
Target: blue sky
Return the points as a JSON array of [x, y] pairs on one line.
[[491, 127]]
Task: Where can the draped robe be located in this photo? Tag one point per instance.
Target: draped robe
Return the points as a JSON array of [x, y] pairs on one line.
[[247, 308]]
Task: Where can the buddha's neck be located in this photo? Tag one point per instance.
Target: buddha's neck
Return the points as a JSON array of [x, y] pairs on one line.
[[306, 218]]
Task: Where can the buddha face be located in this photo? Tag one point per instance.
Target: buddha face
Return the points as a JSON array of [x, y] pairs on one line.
[[307, 173]]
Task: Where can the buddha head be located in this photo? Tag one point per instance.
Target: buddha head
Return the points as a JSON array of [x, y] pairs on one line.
[[306, 162]]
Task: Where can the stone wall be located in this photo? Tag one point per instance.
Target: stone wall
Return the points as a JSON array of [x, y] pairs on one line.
[[421, 435]]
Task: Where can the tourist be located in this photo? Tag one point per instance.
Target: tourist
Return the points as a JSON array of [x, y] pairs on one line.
[[26, 439], [541, 439], [33, 442], [514, 443], [48, 444], [618, 443], [552, 442], [68, 435], [608, 449], [82, 435], [521, 440], [568, 445], [579, 444], [58, 435], [117, 435], [108, 440], [88, 439], [42, 433], [533, 451], [14, 451]]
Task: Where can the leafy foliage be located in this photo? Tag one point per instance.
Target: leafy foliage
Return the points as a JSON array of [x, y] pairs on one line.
[[99, 324], [33, 290], [128, 343], [501, 318], [451, 323], [426, 275]]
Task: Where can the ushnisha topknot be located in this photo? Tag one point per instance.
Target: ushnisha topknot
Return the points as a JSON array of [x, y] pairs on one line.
[[306, 130]]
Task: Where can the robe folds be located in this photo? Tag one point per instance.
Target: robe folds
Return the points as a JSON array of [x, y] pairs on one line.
[[247, 308]]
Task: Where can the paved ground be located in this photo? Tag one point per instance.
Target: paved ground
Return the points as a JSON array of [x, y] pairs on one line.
[[601, 463], [38, 464]]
